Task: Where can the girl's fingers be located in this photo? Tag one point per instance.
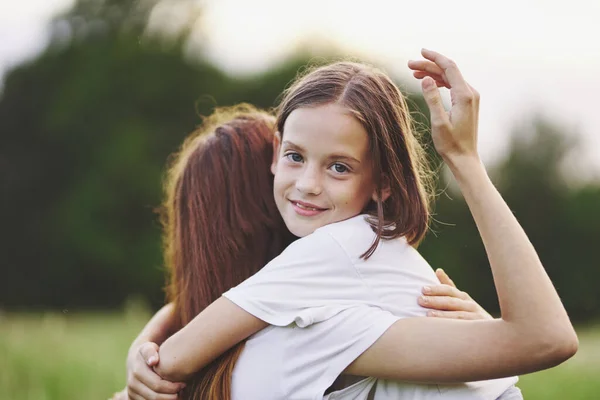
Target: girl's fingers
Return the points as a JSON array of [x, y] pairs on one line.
[[423, 68], [143, 380], [438, 80], [149, 352], [447, 303], [426, 66], [445, 290], [451, 71], [438, 115], [141, 392], [443, 299], [132, 395], [444, 278], [158, 385], [453, 315], [145, 376]]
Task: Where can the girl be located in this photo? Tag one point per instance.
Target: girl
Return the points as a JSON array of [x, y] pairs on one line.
[[345, 147], [232, 150]]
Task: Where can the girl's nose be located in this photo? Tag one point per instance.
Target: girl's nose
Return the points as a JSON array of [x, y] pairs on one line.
[[309, 182]]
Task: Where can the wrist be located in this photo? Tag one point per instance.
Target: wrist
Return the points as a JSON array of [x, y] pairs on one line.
[[464, 166], [458, 162]]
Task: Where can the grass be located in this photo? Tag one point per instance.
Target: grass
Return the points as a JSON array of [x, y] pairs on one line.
[[63, 356], [576, 379]]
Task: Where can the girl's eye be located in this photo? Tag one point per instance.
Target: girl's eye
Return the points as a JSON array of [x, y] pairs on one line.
[[294, 157], [339, 168]]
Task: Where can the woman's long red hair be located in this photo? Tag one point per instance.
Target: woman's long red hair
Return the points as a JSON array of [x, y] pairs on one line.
[[220, 223]]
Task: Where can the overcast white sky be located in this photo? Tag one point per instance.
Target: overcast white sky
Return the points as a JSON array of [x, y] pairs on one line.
[[522, 56]]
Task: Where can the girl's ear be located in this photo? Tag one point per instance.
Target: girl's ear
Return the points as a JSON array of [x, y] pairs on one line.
[[276, 147], [385, 190]]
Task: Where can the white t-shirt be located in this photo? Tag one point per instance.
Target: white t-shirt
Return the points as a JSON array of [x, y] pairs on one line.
[[327, 306]]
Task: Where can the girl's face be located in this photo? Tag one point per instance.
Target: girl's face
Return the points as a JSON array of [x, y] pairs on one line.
[[322, 167]]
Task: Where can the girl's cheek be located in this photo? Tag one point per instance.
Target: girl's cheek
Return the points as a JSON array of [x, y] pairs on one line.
[[348, 196], [284, 168]]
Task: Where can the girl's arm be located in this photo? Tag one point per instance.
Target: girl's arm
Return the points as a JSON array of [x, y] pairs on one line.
[[534, 331], [158, 329], [215, 330], [223, 324]]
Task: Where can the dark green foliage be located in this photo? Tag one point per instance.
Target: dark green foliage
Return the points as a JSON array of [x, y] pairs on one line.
[[85, 131]]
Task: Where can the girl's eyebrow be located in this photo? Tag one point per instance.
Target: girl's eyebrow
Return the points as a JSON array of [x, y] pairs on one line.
[[344, 157], [290, 144], [339, 156]]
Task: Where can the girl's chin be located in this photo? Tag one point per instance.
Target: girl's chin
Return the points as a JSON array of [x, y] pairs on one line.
[[301, 231], [301, 228]]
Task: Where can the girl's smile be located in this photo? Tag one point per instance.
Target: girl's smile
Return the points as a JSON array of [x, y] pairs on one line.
[[306, 209], [322, 168]]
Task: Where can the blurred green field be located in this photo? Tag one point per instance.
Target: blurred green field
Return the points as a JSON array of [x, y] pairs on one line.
[[74, 357]]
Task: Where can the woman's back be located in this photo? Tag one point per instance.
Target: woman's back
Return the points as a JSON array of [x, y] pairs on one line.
[[330, 306]]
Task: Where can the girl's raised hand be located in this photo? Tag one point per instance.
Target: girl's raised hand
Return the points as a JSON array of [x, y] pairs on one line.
[[446, 301], [142, 382], [454, 132]]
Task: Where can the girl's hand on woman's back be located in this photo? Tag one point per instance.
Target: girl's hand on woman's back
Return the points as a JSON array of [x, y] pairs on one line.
[[446, 301], [454, 132]]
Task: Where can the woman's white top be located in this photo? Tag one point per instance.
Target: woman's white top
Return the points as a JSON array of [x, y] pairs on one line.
[[327, 306]]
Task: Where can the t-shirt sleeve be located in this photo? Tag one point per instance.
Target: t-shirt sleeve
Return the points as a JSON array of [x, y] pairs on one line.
[[324, 350], [312, 280]]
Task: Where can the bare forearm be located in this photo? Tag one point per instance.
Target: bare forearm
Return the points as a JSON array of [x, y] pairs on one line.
[[526, 294], [534, 332], [212, 332], [186, 352], [159, 328]]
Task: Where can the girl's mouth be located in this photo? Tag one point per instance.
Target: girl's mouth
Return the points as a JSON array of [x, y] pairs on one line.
[[306, 209]]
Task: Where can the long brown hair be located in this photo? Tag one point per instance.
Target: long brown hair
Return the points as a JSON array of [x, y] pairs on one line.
[[220, 223], [399, 162]]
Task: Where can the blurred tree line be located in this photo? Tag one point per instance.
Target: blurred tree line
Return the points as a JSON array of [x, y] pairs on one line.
[[86, 129]]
